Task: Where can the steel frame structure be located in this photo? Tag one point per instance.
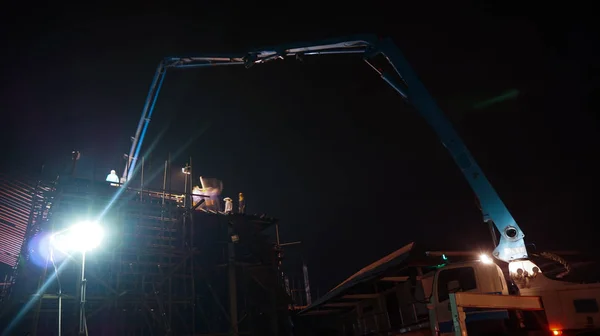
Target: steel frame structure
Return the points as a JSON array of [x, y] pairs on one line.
[[165, 269]]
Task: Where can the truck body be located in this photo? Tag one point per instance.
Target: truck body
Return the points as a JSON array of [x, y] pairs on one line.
[[571, 308], [413, 293], [424, 307], [414, 296]]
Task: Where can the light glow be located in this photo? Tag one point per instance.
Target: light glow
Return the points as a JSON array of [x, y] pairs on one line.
[[523, 268], [81, 237], [485, 259]]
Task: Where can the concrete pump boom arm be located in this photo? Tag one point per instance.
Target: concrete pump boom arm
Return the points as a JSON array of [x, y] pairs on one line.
[[511, 245]]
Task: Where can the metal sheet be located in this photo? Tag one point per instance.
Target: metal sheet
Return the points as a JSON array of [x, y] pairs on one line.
[[15, 207], [367, 273]]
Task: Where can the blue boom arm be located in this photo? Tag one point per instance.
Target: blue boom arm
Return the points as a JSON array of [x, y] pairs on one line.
[[511, 245]]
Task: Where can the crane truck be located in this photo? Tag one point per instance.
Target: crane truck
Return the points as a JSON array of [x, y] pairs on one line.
[[570, 308]]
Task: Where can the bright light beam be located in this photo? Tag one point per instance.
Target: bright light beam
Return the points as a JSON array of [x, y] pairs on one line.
[[34, 298], [81, 237], [485, 259]]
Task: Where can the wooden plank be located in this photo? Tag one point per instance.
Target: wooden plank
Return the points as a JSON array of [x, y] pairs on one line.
[[473, 300]]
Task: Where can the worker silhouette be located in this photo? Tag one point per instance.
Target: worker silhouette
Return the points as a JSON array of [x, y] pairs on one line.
[[113, 178], [228, 205], [241, 204]]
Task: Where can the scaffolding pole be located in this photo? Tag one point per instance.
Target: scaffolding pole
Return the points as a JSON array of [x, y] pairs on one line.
[[233, 310]]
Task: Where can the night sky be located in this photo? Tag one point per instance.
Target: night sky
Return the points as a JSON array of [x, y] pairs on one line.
[[325, 145]]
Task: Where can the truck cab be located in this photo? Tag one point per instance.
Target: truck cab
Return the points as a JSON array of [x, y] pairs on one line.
[[482, 277]]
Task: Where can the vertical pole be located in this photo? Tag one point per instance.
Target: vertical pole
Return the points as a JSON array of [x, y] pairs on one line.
[[233, 313], [185, 206], [277, 280], [294, 289], [190, 187], [41, 281], [192, 259], [59, 312], [164, 186], [123, 178], [306, 284], [169, 175], [274, 301], [458, 317], [164, 210], [4, 283], [185, 188], [82, 322], [59, 292], [142, 181]]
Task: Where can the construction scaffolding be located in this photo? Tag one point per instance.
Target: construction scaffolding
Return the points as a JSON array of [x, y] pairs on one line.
[[166, 267], [22, 208]]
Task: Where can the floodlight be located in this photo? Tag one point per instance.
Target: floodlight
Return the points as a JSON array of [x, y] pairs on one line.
[[81, 237], [485, 259]]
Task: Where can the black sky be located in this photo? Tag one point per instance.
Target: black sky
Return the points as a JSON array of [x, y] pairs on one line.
[[325, 146]]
